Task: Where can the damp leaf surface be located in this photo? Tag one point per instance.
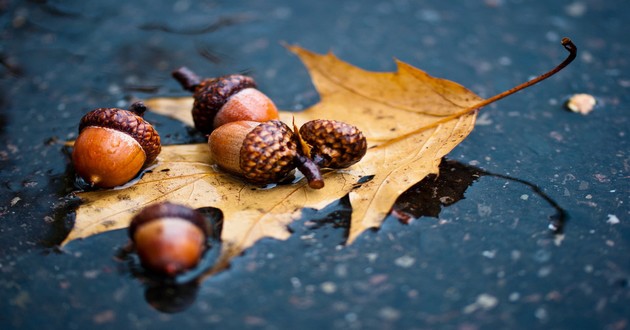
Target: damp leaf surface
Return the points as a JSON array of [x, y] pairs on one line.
[[410, 119]]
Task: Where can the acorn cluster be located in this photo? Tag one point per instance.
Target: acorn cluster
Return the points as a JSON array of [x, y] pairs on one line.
[[245, 138]]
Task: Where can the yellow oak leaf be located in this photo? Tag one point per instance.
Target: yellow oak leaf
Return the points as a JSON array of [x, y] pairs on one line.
[[410, 119]]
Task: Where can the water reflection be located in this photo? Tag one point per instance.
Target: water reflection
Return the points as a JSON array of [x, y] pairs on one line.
[[176, 294], [429, 196], [171, 298]]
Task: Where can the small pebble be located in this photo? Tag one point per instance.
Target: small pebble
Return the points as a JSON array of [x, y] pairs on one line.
[[405, 261], [576, 9], [296, 283], [490, 254], [516, 255], [541, 314], [328, 287], [544, 271], [558, 239], [351, 317], [389, 314], [341, 270], [612, 219], [581, 103], [104, 317], [487, 301], [484, 301]]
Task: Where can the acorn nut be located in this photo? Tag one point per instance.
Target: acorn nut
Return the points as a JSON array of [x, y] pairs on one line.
[[225, 99], [262, 153], [169, 238], [114, 145], [334, 144]]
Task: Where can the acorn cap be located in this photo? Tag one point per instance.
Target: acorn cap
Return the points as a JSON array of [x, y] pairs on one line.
[[129, 122], [268, 152], [167, 210], [334, 144], [211, 94]]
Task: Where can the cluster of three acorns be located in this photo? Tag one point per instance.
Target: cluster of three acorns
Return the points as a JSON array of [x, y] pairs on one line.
[[245, 138]]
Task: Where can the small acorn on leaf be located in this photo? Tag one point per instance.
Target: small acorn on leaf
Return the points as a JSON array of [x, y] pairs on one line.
[[114, 145], [261, 153], [333, 144], [225, 99]]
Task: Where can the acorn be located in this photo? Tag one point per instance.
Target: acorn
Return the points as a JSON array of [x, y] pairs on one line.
[[169, 238], [225, 99], [114, 145], [333, 144], [261, 153]]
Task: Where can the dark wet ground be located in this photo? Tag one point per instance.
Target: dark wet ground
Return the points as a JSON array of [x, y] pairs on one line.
[[487, 260]]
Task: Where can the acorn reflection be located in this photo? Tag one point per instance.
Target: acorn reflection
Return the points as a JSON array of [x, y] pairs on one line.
[[171, 298]]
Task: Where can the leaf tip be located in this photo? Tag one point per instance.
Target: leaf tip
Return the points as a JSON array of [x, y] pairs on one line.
[[402, 66], [285, 44], [295, 49]]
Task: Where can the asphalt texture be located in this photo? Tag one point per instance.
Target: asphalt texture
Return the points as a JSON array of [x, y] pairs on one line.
[[476, 251]]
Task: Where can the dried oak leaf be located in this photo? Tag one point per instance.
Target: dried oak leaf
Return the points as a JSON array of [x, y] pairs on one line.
[[411, 120]]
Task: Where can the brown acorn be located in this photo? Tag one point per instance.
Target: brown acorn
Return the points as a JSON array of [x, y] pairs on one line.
[[113, 145], [225, 99], [334, 144], [262, 153], [169, 238]]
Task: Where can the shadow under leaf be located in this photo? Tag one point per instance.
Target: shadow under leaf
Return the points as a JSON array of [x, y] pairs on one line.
[[429, 196]]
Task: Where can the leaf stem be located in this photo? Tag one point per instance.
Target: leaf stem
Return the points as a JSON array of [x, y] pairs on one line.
[[568, 45]]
